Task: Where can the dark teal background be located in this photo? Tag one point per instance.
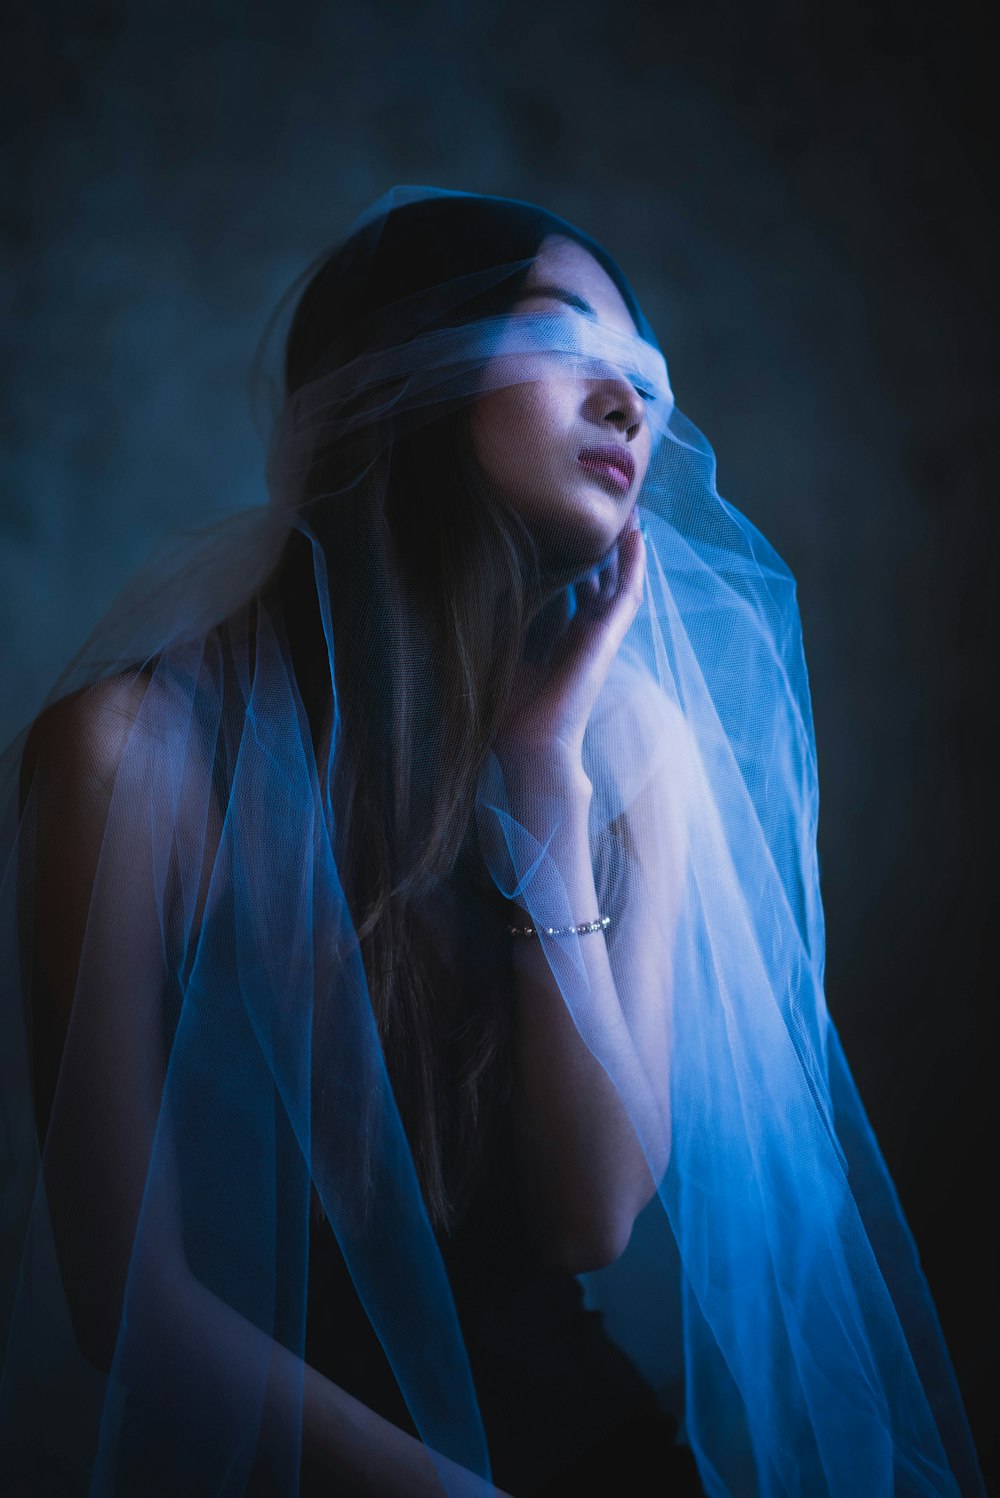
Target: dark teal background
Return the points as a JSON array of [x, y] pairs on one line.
[[800, 196]]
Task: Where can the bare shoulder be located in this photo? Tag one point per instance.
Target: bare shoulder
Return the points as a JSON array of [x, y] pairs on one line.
[[118, 791], [125, 725], [119, 770], [653, 711], [639, 736]]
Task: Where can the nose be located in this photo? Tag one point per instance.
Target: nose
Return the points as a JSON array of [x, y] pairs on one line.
[[614, 401]]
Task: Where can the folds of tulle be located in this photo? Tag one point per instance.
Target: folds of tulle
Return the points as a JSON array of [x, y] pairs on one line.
[[798, 1336], [771, 1285], [811, 1357], [233, 1156]]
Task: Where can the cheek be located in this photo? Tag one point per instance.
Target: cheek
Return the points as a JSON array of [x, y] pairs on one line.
[[512, 425], [642, 460]]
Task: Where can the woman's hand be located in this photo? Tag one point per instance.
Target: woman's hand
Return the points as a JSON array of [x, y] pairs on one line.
[[551, 704]]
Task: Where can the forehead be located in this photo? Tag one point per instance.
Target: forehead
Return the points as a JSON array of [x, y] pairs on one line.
[[563, 262]]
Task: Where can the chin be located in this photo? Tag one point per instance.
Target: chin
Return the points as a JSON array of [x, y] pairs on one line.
[[575, 549], [580, 532]]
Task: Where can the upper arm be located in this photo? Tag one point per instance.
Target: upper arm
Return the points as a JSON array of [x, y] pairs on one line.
[[96, 885]]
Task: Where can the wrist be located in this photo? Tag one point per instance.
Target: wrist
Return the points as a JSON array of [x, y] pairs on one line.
[[545, 771]]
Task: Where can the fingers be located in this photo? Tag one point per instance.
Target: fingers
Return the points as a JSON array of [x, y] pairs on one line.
[[622, 607], [622, 586], [601, 588], [600, 628], [556, 702]]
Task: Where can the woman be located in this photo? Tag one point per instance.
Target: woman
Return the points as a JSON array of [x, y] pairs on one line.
[[413, 910]]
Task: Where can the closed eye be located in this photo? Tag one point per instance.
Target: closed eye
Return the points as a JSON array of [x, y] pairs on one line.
[[571, 299]]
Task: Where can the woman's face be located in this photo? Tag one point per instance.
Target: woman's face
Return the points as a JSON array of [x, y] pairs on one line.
[[531, 438]]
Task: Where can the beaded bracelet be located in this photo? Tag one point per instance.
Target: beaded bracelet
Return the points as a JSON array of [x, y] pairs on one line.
[[600, 924]]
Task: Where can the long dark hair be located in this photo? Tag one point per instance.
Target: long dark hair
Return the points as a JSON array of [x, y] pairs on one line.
[[420, 574]]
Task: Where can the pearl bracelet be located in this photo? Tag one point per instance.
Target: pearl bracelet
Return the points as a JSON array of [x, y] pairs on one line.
[[600, 924]]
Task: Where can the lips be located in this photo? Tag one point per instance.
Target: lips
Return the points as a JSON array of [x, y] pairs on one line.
[[610, 461]]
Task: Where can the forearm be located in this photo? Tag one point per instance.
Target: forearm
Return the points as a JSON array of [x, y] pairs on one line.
[[205, 1351], [583, 1169]]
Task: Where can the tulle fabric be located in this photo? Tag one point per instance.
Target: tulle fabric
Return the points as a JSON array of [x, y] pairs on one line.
[[170, 866]]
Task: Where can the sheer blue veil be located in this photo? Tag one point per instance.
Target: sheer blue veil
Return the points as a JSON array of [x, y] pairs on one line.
[[195, 893]]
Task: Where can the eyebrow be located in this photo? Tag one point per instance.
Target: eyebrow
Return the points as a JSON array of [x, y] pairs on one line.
[[563, 294]]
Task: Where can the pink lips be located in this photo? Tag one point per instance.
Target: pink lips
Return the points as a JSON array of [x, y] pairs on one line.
[[610, 461]]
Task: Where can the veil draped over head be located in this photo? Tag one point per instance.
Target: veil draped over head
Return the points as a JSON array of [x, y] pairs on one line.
[[264, 808]]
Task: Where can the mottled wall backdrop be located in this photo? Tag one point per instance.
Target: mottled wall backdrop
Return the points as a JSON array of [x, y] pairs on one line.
[[799, 196]]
